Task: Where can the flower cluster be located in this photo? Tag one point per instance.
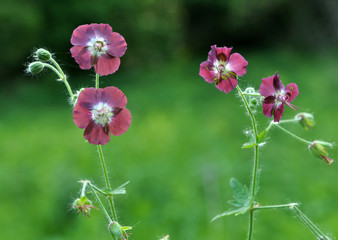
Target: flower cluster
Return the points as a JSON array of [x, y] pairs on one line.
[[100, 111]]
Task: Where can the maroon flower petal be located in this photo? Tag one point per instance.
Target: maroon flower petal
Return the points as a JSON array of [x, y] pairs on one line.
[[117, 46], [205, 72], [82, 35], [227, 85], [121, 122], [115, 97], [223, 51], [266, 88], [82, 110], [238, 64], [102, 30], [82, 56], [292, 90], [277, 83], [278, 113], [212, 55], [95, 134], [106, 64], [268, 106]]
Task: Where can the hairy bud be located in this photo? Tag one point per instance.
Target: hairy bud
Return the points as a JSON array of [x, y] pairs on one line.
[[43, 55], [35, 67]]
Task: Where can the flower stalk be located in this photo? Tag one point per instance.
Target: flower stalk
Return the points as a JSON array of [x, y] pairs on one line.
[[105, 173], [255, 164]]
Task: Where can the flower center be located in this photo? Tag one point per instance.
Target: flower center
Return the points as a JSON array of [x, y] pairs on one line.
[[97, 46], [282, 96], [102, 114], [222, 71]]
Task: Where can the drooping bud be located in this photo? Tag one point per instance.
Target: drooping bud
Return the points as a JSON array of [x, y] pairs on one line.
[[306, 120], [318, 150], [115, 229], [35, 67], [43, 55], [83, 204]]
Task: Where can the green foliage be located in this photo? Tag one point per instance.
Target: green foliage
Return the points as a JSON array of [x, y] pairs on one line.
[[182, 146], [242, 199]]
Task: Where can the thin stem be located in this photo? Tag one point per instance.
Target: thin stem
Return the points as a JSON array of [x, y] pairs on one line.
[[252, 94], [100, 202], [315, 230], [97, 82], [99, 190], [255, 166], [103, 164], [83, 190], [288, 205], [62, 77], [294, 135]]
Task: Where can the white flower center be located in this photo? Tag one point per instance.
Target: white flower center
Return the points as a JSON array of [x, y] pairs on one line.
[[102, 114], [97, 46]]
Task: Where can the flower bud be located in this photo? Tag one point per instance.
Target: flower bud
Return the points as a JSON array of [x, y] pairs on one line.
[[306, 120], [35, 67], [318, 150], [83, 205], [115, 229], [43, 55]]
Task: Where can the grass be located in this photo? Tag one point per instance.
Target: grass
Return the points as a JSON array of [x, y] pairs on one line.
[[183, 147]]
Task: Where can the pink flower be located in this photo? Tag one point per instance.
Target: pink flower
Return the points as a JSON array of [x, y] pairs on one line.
[[101, 112], [276, 96], [223, 68], [98, 45]]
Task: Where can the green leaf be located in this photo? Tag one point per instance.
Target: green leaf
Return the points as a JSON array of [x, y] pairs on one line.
[[121, 189], [241, 200], [249, 145], [262, 135], [236, 211]]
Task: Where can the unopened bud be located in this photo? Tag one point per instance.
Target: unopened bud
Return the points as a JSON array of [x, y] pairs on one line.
[[115, 229], [318, 150], [306, 120], [35, 67], [43, 55]]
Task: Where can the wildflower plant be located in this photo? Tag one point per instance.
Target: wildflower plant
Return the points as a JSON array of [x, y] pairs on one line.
[[224, 71], [101, 112]]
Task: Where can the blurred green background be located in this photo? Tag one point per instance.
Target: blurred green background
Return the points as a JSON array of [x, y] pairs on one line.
[[185, 140]]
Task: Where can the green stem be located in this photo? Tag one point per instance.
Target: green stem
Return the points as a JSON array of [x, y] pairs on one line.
[[314, 229], [83, 190], [294, 135], [62, 76], [110, 199], [252, 94], [255, 166], [97, 82], [288, 205], [100, 202]]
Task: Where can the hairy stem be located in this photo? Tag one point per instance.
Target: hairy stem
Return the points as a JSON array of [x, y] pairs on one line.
[[255, 165], [294, 135], [62, 76], [314, 229], [105, 173]]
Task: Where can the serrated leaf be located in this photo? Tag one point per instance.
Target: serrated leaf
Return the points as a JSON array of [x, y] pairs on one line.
[[241, 193]]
